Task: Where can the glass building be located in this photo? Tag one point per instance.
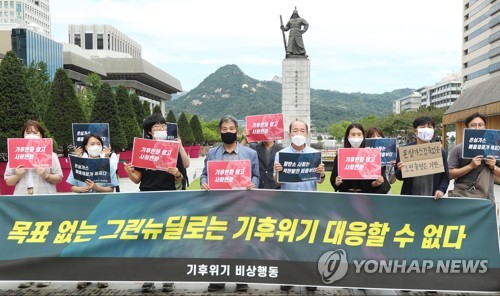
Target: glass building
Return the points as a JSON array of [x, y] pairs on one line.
[[32, 47]]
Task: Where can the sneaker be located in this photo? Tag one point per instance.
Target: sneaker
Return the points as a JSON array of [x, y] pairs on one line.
[[25, 285], [42, 284], [167, 287], [215, 287], [285, 288], [147, 287], [311, 289], [241, 287], [102, 285], [82, 285]]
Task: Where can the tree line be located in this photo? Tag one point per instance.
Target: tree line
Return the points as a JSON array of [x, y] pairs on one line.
[[27, 93]]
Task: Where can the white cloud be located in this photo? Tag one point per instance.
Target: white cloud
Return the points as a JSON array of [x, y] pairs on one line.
[[364, 45]]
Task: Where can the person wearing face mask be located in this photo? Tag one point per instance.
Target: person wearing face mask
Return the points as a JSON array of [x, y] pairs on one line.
[[355, 138], [92, 147], [155, 127], [230, 150], [429, 185], [468, 172], [34, 181], [298, 131]]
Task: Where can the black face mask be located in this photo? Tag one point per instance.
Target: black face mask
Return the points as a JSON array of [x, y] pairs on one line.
[[228, 138]]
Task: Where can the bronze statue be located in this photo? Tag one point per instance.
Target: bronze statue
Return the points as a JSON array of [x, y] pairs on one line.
[[297, 27]]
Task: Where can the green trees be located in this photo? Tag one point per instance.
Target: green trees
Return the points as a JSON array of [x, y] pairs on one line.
[[86, 95], [184, 130], [15, 99], [157, 110], [138, 109], [146, 106], [171, 117], [211, 131], [197, 130], [63, 110], [38, 82], [106, 110], [394, 125], [127, 116]]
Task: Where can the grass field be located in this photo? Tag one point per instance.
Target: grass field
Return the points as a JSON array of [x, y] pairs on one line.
[[325, 186]]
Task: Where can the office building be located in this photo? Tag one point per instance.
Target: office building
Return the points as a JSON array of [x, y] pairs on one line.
[[27, 13], [114, 56], [440, 95], [480, 68], [99, 38], [481, 41], [32, 47]]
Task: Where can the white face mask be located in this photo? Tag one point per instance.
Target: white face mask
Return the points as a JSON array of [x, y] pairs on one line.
[[94, 151], [355, 142], [298, 140], [31, 136], [425, 134], [160, 135]]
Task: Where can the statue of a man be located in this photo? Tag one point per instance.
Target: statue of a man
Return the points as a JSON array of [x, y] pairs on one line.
[[297, 27]]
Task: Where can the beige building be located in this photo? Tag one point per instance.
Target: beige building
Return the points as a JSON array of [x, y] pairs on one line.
[[480, 68], [481, 41], [27, 13], [98, 38]]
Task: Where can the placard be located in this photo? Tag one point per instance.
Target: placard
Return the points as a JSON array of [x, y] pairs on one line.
[[30, 153], [421, 159], [229, 174], [387, 146], [95, 169], [299, 167], [268, 127], [481, 142], [359, 163], [80, 130], [156, 155]]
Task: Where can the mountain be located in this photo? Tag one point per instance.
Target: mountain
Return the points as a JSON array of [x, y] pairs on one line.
[[229, 91]]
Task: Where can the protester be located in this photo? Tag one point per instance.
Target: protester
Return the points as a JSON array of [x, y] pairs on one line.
[[387, 171], [266, 151], [230, 150], [298, 131], [428, 185], [92, 147], [473, 177], [34, 181], [355, 138], [158, 180]]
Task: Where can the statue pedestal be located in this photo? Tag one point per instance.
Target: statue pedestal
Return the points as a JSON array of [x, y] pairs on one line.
[[296, 93]]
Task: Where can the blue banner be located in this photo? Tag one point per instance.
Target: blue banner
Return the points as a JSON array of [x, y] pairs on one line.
[[387, 148], [483, 142], [82, 129], [299, 167], [95, 169]]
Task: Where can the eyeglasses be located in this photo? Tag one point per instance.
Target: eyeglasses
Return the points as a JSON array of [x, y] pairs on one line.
[[476, 125]]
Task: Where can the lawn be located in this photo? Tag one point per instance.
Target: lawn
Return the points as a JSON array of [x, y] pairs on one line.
[[325, 186]]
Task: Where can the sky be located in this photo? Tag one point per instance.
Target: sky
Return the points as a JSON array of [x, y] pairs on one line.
[[353, 46]]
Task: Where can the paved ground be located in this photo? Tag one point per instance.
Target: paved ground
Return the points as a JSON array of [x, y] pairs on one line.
[[133, 288]]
